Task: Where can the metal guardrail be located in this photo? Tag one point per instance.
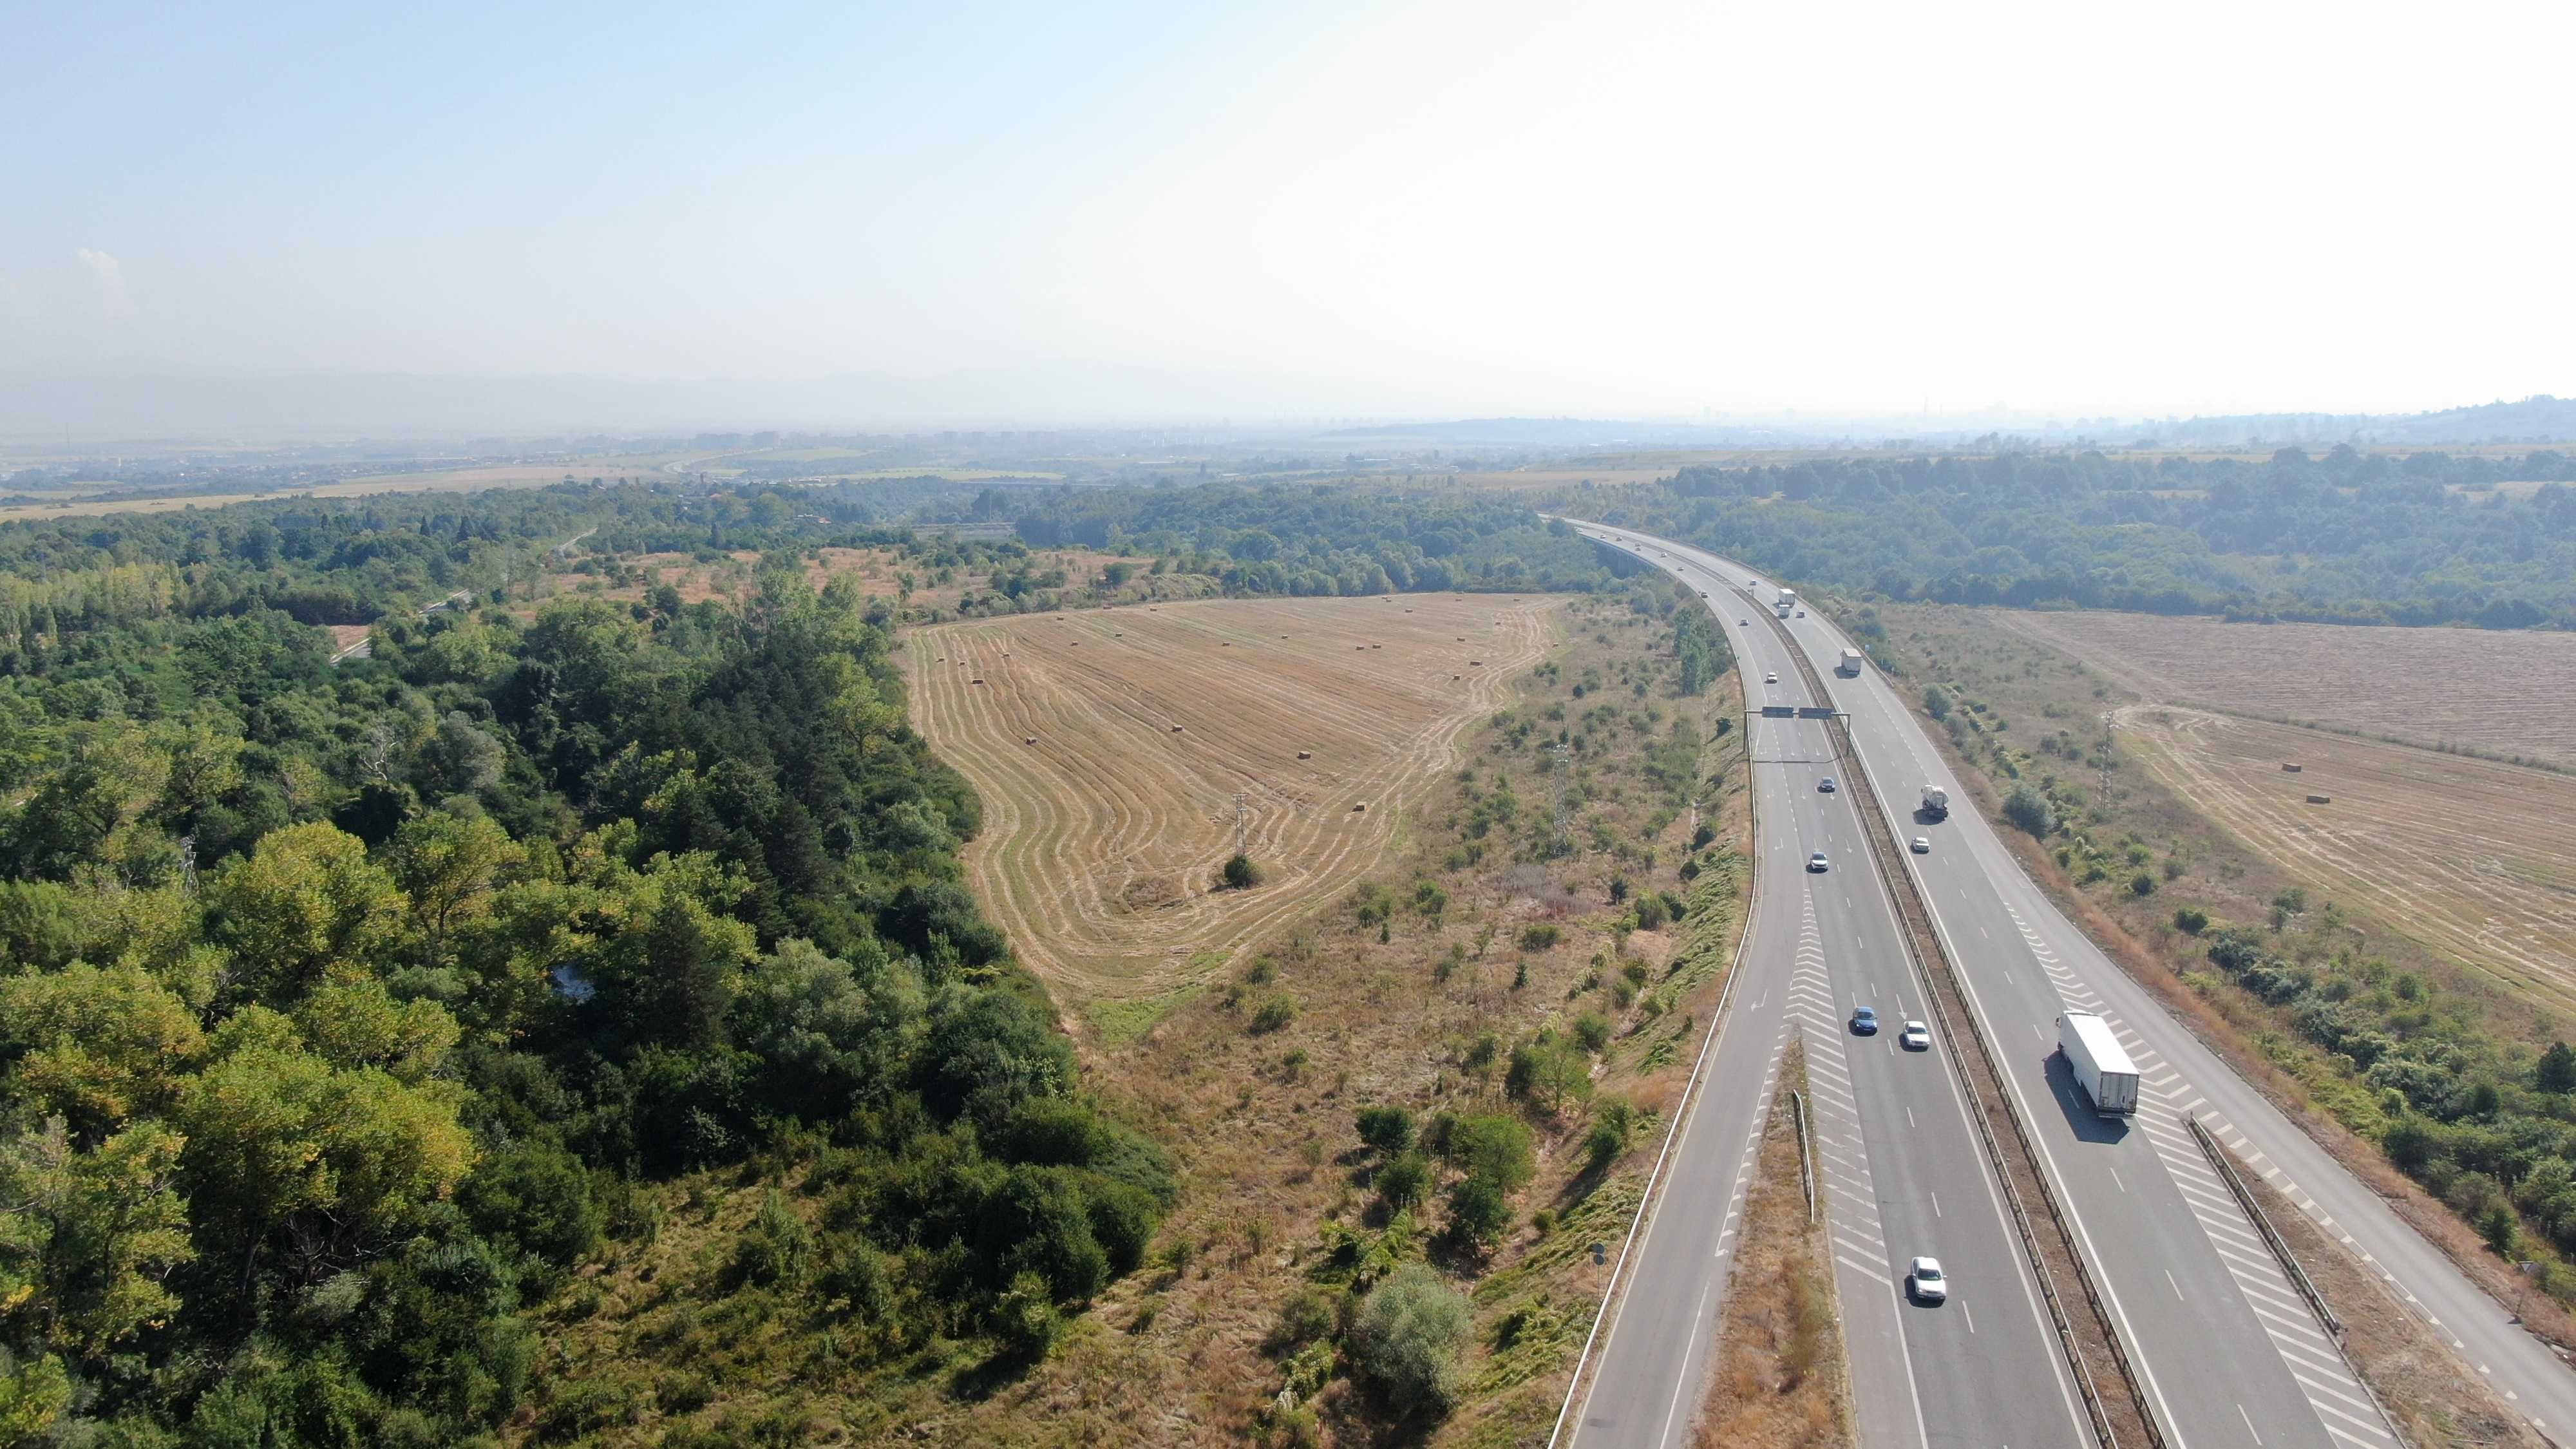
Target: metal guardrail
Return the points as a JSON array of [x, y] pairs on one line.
[[2272, 1238], [1806, 1155], [1923, 947], [2225, 1167]]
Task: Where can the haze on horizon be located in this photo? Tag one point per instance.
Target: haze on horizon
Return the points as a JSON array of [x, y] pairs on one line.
[[1163, 211]]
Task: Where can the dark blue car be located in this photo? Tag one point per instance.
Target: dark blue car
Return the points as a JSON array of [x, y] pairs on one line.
[[1864, 1021]]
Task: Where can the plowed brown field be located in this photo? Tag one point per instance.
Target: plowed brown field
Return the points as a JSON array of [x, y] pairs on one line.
[[2473, 858], [1103, 838]]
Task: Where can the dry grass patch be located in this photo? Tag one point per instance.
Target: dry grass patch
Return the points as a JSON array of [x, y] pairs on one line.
[[2494, 692], [1779, 1375], [1109, 748], [2476, 859]]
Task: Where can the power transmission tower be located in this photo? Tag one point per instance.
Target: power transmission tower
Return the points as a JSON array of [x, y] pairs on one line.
[[1242, 821], [1557, 755], [2103, 789]]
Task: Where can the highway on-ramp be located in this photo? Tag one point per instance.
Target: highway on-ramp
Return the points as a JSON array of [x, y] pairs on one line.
[[2228, 1353], [1902, 1170]]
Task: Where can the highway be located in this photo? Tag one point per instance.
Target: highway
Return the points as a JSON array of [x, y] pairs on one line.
[[2229, 1353], [1902, 1170]]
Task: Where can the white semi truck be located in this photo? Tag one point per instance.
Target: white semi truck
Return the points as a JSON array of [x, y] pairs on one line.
[[1936, 803], [1788, 600], [1848, 665], [2101, 1067]]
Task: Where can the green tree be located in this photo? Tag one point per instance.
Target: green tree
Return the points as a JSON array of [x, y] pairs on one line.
[[1406, 1338], [2556, 1071], [305, 900], [91, 1237]]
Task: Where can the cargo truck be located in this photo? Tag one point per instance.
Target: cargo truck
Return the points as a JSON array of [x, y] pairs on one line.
[[1848, 665], [1936, 803], [2101, 1068], [1787, 602]]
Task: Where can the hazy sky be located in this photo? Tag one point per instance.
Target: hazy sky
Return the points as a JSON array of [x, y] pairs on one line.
[[1386, 209]]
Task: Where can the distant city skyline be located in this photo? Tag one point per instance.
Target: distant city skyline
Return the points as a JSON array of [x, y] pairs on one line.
[[1160, 212]]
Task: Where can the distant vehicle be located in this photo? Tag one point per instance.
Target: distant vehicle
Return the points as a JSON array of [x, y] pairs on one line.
[[1936, 803], [1703, 593], [1770, 678], [1816, 861], [1864, 1021], [1916, 1037], [1825, 786], [1802, 613], [1848, 664], [1925, 1283], [1922, 845], [2101, 1066], [1744, 623]]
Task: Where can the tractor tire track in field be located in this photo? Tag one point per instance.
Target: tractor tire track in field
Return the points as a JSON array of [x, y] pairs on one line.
[[1105, 826]]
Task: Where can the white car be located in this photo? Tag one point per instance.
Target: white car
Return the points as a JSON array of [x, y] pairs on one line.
[[1924, 1283], [1922, 845], [1816, 861], [1770, 679], [1915, 1038]]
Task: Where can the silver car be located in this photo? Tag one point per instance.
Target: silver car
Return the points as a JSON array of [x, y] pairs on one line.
[[1816, 861], [1924, 1282], [1915, 1038]]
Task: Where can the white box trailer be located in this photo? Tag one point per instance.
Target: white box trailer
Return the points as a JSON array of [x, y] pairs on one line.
[[2102, 1068], [1848, 664]]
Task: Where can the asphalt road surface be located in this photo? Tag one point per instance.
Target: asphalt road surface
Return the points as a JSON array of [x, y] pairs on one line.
[[1902, 1170], [2229, 1353]]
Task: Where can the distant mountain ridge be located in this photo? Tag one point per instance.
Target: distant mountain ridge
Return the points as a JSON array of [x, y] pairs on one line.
[[2536, 419]]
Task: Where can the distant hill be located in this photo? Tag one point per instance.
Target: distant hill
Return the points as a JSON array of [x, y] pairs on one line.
[[2541, 419]]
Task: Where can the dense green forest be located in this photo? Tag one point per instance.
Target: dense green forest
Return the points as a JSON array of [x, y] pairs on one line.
[[2348, 537], [1309, 539], [344, 1010]]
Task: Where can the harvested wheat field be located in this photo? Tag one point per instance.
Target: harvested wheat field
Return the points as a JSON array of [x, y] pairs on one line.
[[2473, 858], [1109, 747], [2496, 692]]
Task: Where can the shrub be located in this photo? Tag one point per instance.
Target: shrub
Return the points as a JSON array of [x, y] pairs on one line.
[[1404, 1180], [1540, 937], [2190, 920], [776, 1249], [1478, 1210], [1406, 1338], [1494, 1146], [1388, 1129], [1274, 1013], [1612, 1126], [1308, 1315], [2029, 810], [1240, 873], [1593, 1030], [2142, 884], [1025, 1319]]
